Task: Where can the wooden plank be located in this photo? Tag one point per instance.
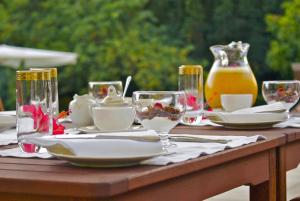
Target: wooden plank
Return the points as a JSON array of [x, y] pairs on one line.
[[204, 184], [281, 173], [30, 197], [292, 156], [266, 191]]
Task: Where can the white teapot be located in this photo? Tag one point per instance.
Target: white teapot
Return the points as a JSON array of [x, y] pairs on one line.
[[79, 109]]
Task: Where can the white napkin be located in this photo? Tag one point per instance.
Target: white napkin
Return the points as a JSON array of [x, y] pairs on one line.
[[16, 152], [292, 122], [8, 137], [110, 146], [187, 150], [274, 107], [205, 122]]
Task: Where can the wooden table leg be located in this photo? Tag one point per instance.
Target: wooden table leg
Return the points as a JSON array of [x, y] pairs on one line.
[[281, 174], [266, 191]]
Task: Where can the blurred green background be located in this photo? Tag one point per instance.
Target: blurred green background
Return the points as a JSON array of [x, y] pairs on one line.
[[148, 39]]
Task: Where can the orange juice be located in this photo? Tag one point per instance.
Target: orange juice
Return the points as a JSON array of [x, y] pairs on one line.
[[229, 80]]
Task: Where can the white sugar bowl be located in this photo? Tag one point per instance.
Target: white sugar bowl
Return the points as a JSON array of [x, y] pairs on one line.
[[113, 113], [80, 111]]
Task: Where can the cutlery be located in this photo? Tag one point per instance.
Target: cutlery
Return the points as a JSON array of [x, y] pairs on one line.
[[149, 138], [128, 79]]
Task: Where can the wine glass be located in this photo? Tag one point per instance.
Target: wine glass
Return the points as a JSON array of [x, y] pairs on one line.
[[160, 111], [286, 91]]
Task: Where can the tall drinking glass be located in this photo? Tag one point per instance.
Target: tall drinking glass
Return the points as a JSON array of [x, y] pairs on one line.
[[34, 106], [191, 82], [54, 89], [159, 110]]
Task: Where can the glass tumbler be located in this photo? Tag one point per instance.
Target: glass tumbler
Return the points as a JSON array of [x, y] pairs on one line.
[[191, 82], [54, 89], [34, 106], [99, 89]]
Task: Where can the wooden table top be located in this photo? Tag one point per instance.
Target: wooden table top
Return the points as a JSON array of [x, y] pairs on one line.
[[37, 176]]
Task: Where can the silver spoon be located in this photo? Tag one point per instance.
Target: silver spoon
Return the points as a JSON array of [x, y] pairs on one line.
[[128, 80]]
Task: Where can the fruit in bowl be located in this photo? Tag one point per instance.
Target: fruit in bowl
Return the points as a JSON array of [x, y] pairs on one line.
[[159, 110], [287, 92]]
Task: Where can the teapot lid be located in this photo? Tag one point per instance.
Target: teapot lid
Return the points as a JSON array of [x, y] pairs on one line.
[[112, 99]]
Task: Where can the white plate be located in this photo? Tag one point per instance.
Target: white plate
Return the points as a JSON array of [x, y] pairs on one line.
[[247, 126], [98, 152], [103, 162], [247, 121], [94, 129]]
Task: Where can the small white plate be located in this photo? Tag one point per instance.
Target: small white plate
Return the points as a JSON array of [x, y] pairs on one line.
[[247, 121]]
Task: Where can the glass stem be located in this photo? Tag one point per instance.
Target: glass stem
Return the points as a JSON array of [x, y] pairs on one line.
[[164, 137]]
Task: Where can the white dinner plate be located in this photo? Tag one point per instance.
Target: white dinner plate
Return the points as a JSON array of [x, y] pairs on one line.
[[247, 121], [97, 152], [104, 162], [247, 126]]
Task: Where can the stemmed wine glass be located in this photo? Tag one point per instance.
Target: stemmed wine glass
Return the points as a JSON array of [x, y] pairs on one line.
[[287, 92], [160, 111]]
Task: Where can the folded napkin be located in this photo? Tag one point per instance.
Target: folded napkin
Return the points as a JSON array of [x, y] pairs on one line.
[[99, 146], [270, 108], [182, 151], [206, 122]]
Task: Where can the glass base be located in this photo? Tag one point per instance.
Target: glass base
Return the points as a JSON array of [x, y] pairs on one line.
[[29, 148], [191, 120], [164, 138]]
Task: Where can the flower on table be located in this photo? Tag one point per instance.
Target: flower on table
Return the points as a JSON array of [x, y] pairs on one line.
[[41, 120]]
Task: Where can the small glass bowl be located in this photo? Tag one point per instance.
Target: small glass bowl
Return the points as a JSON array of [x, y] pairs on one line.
[[286, 91], [159, 110]]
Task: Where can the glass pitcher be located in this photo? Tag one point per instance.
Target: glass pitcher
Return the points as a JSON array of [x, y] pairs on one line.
[[230, 73]]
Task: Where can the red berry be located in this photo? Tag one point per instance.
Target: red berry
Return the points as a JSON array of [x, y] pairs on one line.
[[158, 106]]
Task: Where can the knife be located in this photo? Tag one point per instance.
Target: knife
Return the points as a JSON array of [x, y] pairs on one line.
[[149, 138]]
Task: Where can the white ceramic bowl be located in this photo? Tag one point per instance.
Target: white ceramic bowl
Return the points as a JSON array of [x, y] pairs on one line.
[[232, 102], [113, 118]]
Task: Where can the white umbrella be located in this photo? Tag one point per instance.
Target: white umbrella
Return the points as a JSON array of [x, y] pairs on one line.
[[28, 57]]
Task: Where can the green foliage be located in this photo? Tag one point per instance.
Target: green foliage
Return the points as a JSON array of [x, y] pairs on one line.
[[113, 39], [204, 23], [285, 48], [144, 38]]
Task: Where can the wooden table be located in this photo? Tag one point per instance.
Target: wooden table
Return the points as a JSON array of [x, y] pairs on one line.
[[288, 159], [198, 179]]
